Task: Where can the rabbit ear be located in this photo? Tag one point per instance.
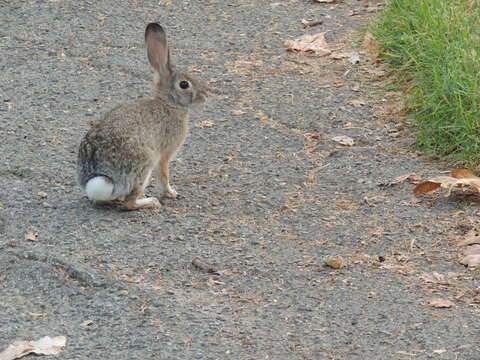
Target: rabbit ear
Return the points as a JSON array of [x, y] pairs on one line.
[[157, 48]]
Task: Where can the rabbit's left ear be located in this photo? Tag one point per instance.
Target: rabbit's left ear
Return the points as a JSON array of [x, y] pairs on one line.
[[158, 51]]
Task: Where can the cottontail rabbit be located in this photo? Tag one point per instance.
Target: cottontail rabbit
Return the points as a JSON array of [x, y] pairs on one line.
[[118, 154]]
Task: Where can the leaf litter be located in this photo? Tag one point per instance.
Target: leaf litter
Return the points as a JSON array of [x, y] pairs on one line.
[[44, 346], [441, 303], [315, 44], [344, 140], [461, 179]]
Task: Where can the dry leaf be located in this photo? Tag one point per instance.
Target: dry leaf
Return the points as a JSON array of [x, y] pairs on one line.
[[324, 1], [441, 303], [16, 350], [425, 187], [32, 236], [44, 346], [344, 140], [87, 323], [238, 112], [441, 279], [439, 351], [463, 179], [463, 174], [435, 278], [357, 102], [85, 61], [310, 43], [471, 260], [472, 237], [335, 262]]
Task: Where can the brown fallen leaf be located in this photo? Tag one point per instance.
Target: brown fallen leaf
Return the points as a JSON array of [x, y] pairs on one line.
[[344, 140], [425, 187], [441, 303], [463, 179], [471, 260], [463, 174], [32, 236], [435, 278], [357, 102], [44, 346], [310, 43]]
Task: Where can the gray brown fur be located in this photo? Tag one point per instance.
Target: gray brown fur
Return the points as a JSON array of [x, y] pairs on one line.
[[139, 137]]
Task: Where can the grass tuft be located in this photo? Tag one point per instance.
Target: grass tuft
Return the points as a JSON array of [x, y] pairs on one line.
[[435, 46]]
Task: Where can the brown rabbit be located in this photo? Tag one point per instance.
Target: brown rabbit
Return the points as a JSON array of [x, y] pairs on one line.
[[119, 153]]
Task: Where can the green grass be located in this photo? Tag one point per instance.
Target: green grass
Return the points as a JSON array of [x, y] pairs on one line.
[[435, 46]]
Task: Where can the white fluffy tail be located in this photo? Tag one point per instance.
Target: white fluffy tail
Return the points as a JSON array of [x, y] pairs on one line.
[[99, 188]]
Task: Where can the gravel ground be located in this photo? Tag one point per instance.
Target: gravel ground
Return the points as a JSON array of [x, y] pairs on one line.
[[266, 195]]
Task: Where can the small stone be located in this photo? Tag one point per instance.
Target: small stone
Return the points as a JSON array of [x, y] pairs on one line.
[[335, 262], [42, 194]]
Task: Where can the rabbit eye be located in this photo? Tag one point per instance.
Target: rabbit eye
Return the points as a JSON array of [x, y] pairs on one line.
[[184, 84]]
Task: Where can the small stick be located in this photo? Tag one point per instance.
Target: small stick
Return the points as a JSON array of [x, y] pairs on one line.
[[309, 23], [200, 264]]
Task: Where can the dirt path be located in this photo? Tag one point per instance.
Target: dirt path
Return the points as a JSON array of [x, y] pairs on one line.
[[265, 196]]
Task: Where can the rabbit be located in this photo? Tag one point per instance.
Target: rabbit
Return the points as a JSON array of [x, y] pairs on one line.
[[118, 154]]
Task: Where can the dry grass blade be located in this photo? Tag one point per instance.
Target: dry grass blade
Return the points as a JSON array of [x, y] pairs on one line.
[[411, 178]]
